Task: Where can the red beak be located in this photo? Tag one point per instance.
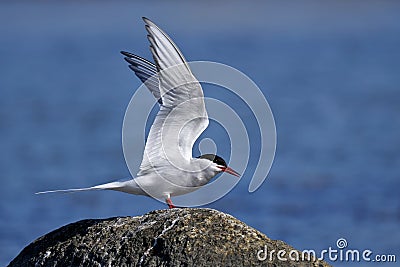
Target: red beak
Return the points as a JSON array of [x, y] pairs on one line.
[[230, 171]]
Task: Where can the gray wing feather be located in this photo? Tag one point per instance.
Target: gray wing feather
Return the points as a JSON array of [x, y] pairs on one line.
[[146, 71], [182, 116]]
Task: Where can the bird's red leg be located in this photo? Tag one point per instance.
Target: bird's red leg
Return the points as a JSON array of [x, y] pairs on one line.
[[169, 202]]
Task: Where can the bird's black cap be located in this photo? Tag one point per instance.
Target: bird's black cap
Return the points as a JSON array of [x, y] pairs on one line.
[[214, 158]]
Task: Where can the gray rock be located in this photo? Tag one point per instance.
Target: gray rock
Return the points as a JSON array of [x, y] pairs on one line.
[[176, 237]]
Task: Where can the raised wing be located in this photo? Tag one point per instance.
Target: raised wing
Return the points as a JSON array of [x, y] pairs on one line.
[[146, 71], [182, 116]]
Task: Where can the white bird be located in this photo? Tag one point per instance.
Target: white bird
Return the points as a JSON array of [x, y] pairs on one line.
[[168, 168]]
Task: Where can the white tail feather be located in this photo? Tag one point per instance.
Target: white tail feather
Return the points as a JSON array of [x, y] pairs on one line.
[[109, 186], [67, 190]]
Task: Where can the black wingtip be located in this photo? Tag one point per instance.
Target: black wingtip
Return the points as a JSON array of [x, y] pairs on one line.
[[145, 19], [127, 54], [132, 68], [129, 60], [149, 22]]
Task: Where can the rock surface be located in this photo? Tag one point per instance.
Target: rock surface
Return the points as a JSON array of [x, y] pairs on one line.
[[176, 237]]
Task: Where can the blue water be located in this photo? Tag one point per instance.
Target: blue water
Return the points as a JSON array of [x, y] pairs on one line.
[[329, 71]]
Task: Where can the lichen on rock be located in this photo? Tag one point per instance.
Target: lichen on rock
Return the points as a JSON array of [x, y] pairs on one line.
[[175, 237]]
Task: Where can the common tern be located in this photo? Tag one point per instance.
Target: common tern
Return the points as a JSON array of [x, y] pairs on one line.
[[168, 168]]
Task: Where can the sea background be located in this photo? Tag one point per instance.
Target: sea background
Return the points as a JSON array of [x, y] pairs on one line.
[[330, 71]]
